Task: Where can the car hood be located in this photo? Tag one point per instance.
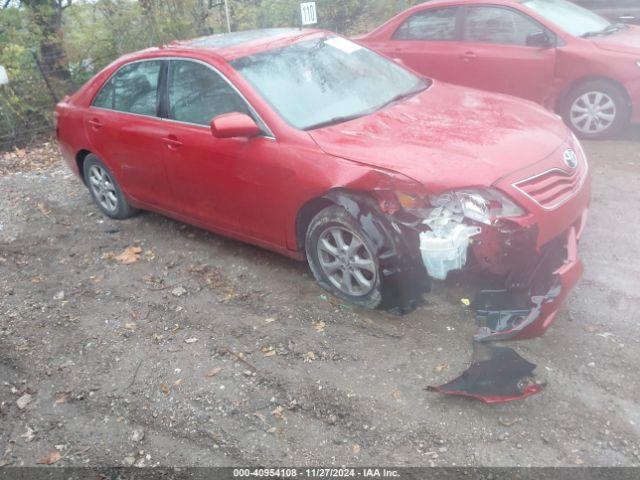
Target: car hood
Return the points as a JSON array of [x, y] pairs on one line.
[[627, 41], [449, 137]]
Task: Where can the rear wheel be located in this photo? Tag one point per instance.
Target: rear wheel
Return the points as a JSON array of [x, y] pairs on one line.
[[105, 189], [341, 258], [596, 110]]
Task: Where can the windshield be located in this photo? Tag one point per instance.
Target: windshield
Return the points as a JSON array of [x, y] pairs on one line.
[[570, 17], [326, 81]]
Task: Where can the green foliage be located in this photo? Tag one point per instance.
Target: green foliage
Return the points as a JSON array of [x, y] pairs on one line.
[[94, 33]]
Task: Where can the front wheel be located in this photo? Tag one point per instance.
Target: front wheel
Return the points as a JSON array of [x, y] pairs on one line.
[[596, 110], [342, 258]]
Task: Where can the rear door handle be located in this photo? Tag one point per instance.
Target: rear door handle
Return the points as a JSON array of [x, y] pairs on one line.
[[95, 123], [172, 142], [467, 56]]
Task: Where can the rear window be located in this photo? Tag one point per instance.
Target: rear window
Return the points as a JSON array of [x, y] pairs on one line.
[[133, 89]]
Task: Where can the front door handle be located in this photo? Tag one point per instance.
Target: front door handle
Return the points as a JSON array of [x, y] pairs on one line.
[[172, 142], [95, 123]]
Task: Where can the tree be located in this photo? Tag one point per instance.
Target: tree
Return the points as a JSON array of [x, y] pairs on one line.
[[46, 19]]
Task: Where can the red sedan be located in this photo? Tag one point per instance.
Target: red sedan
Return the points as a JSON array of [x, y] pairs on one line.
[[313, 146], [553, 52]]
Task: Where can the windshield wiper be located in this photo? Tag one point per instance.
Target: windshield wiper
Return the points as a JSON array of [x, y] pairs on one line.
[[336, 120], [346, 118], [613, 28]]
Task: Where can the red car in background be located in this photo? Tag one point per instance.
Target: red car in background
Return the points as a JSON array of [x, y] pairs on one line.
[[313, 146], [560, 55]]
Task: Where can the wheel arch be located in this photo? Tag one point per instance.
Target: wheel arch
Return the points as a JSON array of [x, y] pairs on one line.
[[81, 156], [589, 78]]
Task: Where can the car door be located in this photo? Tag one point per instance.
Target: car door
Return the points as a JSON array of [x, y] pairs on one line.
[[428, 43], [213, 178], [503, 53], [124, 129]]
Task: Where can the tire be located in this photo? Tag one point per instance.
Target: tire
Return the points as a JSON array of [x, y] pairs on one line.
[[329, 262], [105, 190], [596, 110]]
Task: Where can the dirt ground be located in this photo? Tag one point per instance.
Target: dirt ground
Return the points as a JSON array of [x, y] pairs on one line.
[[206, 351]]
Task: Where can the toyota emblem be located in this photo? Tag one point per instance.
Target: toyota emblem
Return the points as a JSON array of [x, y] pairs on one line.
[[570, 158]]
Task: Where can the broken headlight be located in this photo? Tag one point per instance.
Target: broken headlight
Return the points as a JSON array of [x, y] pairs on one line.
[[483, 206]]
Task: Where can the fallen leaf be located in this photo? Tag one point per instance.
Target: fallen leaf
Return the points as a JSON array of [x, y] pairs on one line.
[[62, 397], [43, 209], [50, 459], [319, 326], [129, 255], [165, 389], [260, 416], [213, 372], [279, 413], [130, 326], [441, 367], [579, 461], [355, 448], [395, 393], [268, 351], [28, 435], [177, 383], [269, 320], [309, 357], [590, 328]]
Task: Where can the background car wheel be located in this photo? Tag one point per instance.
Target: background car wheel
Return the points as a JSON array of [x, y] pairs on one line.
[[342, 258], [596, 109], [105, 189]]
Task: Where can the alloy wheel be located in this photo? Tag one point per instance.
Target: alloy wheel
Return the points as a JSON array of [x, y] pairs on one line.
[[346, 261], [593, 112], [103, 187]]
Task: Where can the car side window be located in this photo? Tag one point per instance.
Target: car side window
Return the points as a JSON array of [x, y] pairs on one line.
[[436, 24], [498, 25], [133, 89], [198, 94]]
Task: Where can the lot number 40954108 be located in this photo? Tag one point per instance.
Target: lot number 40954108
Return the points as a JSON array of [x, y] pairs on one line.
[[309, 16]]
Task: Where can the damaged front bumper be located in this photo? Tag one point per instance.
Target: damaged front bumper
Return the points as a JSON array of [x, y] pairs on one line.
[[500, 314]]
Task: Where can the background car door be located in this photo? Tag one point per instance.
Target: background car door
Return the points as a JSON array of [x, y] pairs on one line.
[[210, 176], [498, 56], [426, 42], [126, 132]]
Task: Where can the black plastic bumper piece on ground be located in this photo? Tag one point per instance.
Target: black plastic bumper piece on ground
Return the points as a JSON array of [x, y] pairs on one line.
[[505, 376]]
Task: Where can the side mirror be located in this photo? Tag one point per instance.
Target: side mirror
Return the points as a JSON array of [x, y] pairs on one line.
[[234, 125], [539, 39]]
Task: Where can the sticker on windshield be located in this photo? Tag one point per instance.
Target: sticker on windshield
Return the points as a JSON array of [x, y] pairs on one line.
[[343, 44]]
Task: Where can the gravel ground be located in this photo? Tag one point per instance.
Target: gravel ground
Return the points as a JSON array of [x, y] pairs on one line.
[[206, 351]]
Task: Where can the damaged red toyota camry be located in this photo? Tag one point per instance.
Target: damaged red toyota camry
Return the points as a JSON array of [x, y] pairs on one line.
[[305, 143]]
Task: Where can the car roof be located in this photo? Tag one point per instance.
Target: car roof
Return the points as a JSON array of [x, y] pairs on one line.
[[231, 46]]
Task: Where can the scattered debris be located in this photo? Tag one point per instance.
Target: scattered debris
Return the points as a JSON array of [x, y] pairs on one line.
[[213, 372], [28, 435], [309, 357], [191, 340], [395, 393], [508, 421], [23, 401], [441, 367], [137, 435], [59, 295], [179, 291]]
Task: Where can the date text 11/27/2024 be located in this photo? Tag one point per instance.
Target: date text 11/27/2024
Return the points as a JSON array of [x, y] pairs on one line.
[[316, 472]]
